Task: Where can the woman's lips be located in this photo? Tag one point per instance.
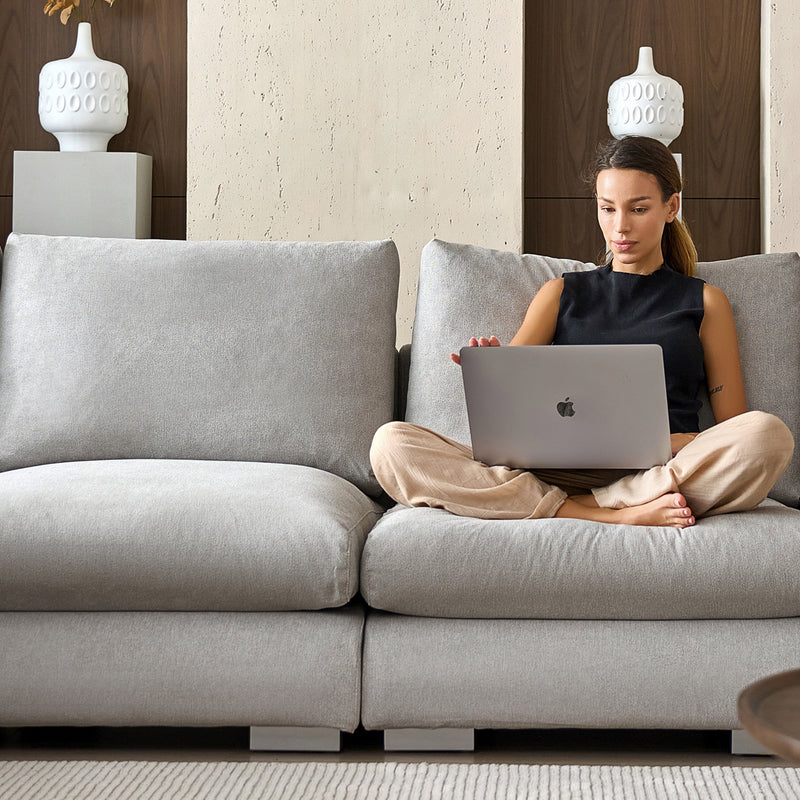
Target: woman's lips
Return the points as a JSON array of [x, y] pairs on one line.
[[623, 245]]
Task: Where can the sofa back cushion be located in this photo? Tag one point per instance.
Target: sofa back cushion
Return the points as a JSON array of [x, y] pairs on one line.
[[470, 291], [241, 351], [764, 292]]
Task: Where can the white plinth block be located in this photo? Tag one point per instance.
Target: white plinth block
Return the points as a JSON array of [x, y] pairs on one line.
[[82, 194]]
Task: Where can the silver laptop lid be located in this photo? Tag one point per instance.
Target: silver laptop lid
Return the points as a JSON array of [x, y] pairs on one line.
[[567, 406]]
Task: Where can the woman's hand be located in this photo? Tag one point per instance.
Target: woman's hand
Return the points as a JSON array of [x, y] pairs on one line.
[[492, 341], [679, 441]]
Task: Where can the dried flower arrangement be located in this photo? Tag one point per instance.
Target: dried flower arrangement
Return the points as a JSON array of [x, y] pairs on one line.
[[66, 7]]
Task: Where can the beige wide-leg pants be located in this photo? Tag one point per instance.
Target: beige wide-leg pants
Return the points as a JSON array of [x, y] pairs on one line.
[[729, 467]]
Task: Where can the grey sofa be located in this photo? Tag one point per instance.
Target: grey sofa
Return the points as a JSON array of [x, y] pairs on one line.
[[564, 623], [187, 513], [185, 485]]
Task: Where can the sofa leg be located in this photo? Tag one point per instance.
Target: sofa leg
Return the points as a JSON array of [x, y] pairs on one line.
[[313, 740], [743, 744], [429, 739]]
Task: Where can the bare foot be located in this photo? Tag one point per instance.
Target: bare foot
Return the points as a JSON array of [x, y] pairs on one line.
[[669, 510]]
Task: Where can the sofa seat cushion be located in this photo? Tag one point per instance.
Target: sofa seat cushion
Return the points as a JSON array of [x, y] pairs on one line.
[[179, 535], [428, 562]]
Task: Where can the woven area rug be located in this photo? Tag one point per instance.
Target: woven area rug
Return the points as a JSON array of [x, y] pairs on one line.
[[145, 780]]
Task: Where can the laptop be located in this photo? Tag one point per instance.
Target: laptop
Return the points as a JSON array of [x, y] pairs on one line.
[[567, 406]]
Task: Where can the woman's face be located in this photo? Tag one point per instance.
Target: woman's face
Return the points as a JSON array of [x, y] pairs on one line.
[[632, 215]]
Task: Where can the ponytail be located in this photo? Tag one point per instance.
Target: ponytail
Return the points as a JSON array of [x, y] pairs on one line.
[[678, 248]]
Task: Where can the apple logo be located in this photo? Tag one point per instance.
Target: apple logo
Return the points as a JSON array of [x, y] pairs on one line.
[[565, 408]]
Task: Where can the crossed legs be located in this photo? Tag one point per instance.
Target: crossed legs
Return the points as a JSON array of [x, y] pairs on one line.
[[730, 467]]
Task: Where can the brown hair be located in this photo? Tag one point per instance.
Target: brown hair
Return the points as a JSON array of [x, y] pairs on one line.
[[651, 156]]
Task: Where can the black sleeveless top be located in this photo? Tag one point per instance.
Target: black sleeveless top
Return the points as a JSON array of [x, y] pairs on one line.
[[665, 308]]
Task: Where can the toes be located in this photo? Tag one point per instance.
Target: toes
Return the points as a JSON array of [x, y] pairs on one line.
[[679, 500], [681, 516]]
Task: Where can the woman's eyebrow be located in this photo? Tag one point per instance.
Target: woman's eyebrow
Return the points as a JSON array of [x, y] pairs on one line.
[[634, 200]]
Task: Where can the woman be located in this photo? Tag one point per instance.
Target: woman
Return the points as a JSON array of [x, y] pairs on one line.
[[645, 293]]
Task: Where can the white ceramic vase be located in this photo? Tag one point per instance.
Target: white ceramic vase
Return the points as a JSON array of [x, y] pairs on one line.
[[646, 103], [83, 100]]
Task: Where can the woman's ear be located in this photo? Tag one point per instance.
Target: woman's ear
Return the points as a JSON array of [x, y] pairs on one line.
[[673, 207]]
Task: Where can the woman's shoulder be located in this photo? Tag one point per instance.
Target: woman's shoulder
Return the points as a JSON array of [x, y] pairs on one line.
[[551, 289], [714, 298]]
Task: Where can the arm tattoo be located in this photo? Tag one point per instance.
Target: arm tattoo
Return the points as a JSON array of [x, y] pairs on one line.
[[716, 389]]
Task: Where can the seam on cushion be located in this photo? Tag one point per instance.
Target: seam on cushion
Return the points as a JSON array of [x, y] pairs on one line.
[[348, 551], [358, 677]]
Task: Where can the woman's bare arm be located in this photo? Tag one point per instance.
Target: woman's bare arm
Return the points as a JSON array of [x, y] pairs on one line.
[[539, 325], [721, 347]]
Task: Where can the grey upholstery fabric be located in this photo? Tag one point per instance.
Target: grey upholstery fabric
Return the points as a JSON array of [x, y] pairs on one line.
[[248, 351], [179, 535], [428, 673], [765, 295], [287, 668], [465, 291], [427, 562]]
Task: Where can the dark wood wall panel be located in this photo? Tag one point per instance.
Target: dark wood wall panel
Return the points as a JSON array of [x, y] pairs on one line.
[[168, 218], [575, 49], [148, 38], [724, 228], [563, 227], [5, 215], [12, 79]]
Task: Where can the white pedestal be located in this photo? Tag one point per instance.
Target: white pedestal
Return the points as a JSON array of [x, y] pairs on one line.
[[82, 194]]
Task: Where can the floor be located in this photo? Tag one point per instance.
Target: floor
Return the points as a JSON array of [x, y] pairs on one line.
[[651, 748]]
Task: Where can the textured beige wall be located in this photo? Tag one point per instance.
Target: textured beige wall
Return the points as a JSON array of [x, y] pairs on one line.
[[356, 120], [780, 125], [346, 119]]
